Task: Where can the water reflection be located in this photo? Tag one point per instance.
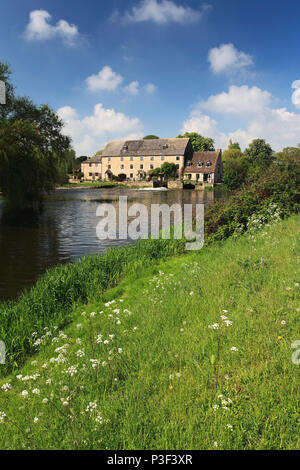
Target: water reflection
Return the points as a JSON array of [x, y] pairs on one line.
[[67, 230]]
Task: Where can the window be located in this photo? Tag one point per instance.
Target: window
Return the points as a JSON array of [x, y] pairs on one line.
[[152, 158], [125, 147], [165, 146], [189, 164], [131, 167], [208, 164], [90, 174], [209, 176], [177, 167], [109, 159], [151, 167], [162, 158], [122, 167], [109, 167], [131, 159], [141, 158], [141, 167], [131, 175], [96, 174], [122, 159], [90, 165], [177, 158], [200, 164]]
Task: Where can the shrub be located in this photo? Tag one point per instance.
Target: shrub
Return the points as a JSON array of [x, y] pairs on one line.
[[277, 185]]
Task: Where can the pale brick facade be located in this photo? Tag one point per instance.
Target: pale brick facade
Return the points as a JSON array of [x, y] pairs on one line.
[[92, 168], [133, 159]]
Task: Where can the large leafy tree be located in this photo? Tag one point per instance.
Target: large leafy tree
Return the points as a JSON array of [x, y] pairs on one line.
[[199, 143], [259, 153], [235, 171], [34, 154]]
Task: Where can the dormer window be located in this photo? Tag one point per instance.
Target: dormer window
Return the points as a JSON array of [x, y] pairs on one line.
[[189, 164], [200, 164], [165, 146], [208, 164], [125, 147]]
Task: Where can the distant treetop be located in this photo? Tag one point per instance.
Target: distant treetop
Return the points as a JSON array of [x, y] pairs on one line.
[[199, 143], [150, 137], [235, 145]]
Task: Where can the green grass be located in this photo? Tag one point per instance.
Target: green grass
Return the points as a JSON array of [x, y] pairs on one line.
[[160, 391], [55, 296]]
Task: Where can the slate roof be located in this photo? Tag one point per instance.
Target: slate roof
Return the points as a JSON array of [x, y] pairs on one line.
[[96, 159], [204, 158], [153, 147]]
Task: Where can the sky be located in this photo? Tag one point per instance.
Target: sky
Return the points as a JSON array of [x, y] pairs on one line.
[[119, 69]]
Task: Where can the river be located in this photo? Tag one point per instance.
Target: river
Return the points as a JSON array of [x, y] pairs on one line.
[[66, 230]]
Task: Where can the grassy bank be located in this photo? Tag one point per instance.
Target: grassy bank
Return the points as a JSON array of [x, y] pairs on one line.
[[140, 368], [52, 300]]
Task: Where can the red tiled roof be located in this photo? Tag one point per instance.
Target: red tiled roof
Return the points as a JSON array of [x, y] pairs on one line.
[[204, 158]]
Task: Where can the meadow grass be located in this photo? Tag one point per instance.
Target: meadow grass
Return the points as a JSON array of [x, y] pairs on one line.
[[189, 353]]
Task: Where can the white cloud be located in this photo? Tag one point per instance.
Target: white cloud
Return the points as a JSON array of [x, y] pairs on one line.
[[162, 12], [206, 126], [239, 101], [105, 80], [296, 94], [133, 88], [227, 59], [150, 88], [91, 133], [39, 28], [277, 126]]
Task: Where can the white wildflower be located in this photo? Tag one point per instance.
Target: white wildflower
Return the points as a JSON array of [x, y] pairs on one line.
[[71, 371], [6, 387]]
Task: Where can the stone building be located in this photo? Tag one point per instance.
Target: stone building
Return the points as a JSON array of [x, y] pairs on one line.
[[133, 159], [205, 168], [92, 168]]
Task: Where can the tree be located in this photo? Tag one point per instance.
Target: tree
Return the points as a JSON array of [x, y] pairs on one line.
[[34, 154], [199, 143], [259, 153], [235, 145], [288, 154], [169, 170], [150, 137], [235, 171], [231, 154]]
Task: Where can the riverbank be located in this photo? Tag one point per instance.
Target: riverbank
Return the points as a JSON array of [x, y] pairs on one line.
[[140, 367]]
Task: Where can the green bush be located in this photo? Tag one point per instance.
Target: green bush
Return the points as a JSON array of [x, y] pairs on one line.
[[276, 185]]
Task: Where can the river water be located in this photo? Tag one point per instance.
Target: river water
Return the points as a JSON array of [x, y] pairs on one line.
[[66, 230]]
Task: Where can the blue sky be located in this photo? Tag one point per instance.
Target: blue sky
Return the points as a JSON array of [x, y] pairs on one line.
[[114, 69]]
